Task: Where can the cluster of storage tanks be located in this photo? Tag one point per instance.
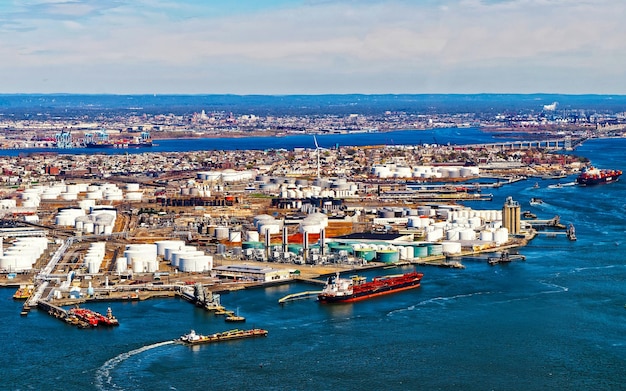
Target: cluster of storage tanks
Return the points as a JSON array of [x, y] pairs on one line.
[[389, 253], [108, 191], [100, 220], [424, 172], [313, 223], [22, 254], [226, 176], [144, 258], [298, 189]]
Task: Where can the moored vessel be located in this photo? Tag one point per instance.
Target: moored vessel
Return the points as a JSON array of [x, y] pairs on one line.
[[595, 176], [89, 318], [23, 292], [344, 290], [192, 338]]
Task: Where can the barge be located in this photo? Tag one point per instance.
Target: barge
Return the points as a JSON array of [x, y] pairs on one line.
[[192, 338]]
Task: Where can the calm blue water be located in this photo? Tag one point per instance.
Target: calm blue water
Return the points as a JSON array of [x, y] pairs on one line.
[[401, 137], [555, 321]]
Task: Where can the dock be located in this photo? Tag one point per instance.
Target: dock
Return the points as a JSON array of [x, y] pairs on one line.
[[299, 296]]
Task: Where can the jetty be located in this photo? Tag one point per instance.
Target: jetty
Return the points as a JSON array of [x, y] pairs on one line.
[[505, 257]]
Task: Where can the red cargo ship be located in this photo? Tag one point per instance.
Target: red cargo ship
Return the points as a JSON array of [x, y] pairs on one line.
[[594, 176], [343, 290]]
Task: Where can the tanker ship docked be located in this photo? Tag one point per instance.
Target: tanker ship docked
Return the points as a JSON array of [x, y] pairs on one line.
[[594, 176], [343, 290]]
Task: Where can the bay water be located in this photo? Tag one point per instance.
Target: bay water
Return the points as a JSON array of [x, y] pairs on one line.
[[553, 321]]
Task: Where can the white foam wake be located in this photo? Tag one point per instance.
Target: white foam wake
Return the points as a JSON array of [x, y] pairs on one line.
[[103, 374]]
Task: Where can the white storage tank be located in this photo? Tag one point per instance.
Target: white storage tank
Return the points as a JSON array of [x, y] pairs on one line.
[[138, 265], [273, 228], [221, 233], [120, 264], [234, 236], [434, 235], [467, 234], [501, 236], [252, 236], [486, 236], [134, 196], [453, 234], [451, 247], [173, 244]]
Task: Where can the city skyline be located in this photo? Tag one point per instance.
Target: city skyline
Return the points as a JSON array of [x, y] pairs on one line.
[[312, 47]]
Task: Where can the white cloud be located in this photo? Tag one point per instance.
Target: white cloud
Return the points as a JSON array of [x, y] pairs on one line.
[[342, 46]]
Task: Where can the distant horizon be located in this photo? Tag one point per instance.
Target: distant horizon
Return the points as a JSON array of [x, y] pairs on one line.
[[315, 94]]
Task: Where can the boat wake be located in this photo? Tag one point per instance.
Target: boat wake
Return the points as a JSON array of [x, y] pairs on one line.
[[437, 300], [581, 269], [103, 379], [559, 288]]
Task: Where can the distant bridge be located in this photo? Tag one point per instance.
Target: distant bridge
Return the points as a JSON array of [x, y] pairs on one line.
[[566, 143]]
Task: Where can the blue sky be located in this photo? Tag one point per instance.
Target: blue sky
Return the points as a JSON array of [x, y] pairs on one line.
[[312, 46]]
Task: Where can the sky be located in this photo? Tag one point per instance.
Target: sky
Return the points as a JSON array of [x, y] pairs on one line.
[[281, 47]]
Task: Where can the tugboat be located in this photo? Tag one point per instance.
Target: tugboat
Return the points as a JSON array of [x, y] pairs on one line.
[[23, 292], [594, 176], [571, 232], [235, 318], [343, 290]]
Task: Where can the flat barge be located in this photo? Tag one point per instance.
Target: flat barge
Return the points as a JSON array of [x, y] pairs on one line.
[[192, 338]]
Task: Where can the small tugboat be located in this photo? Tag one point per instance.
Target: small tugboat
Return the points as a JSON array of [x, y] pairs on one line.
[[595, 176], [23, 292], [196, 339], [503, 258], [528, 215], [234, 318], [571, 232], [536, 201], [343, 290]]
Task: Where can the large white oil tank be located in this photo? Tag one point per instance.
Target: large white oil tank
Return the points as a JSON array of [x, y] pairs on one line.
[[272, 228], [262, 219], [252, 236], [138, 265], [486, 236], [121, 264], [151, 265], [501, 236], [94, 195], [173, 244], [69, 196], [234, 236], [467, 234], [451, 247], [434, 235], [453, 234], [148, 250], [93, 267], [134, 196], [221, 233]]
